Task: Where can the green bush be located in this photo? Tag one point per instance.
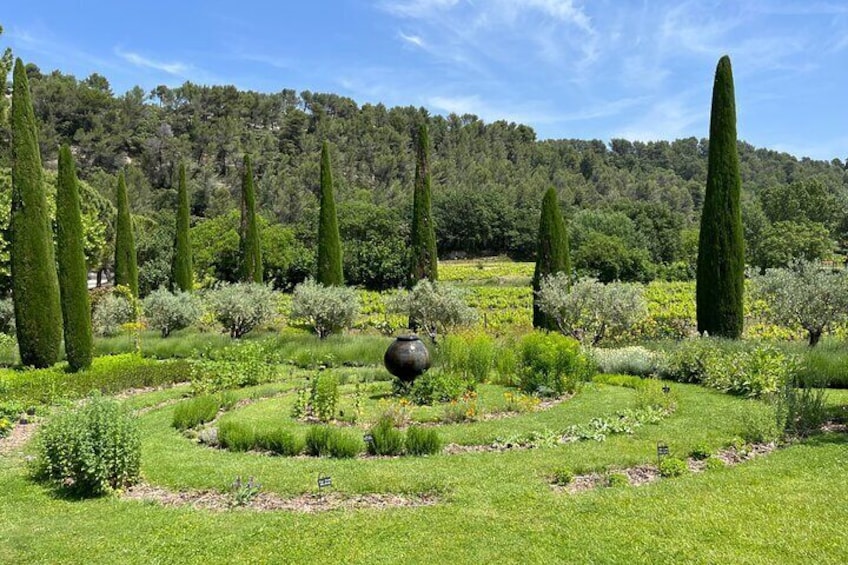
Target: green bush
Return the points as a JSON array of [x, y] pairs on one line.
[[92, 449], [615, 480], [673, 467], [700, 452], [761, 422], [563, 477], [438, 386], [325, 396], [199, 410], [326, 309], [170, 311], [236, 436], [714, 463], [423, 441], [110, 313], [325, 441], [552, 364], [470, 354], [385, 439], [802, 407], [280, 442], [242, 307], [634, 360]]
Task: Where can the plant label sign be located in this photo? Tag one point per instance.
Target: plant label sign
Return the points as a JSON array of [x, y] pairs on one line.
[[666, 389], [662, 450], [324, 482], [368, 438]]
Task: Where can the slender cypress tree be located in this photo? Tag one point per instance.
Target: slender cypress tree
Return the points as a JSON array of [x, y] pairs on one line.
[[329, 243], [424, 261], [251, 253], [552, 255], [721, 252], [35, 284], [183, 275], [126, 265], [73, 272]]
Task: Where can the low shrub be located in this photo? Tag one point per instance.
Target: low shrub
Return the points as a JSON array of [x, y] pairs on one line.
[[280, 441], [438, 386], [433, 307], [760, 422], [634, 360], [802, 407], [700, 452], [563, 477], [236, 436], [423, 441], [552, 364], [714, 463], [5, 426], [327, 309], [92, 449], [111, 312], [463, 410], [521, 403], [168, 311], [196, 411], [385, 439], [325, 396], [469, 354], [673, 467], [242, 307], [325, 441], [615, 480]]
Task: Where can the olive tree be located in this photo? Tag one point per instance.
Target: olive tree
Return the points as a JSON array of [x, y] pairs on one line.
[[589, 310], [435, 307], [241, 307], [327, 309], [806, 295]]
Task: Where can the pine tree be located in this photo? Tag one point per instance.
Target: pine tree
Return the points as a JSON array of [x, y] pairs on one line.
[[552, 255], [126, 266], [73, 272], [183, 275], [424, 261], [251, 253], [329, 243], [35, 284], [721, 253]]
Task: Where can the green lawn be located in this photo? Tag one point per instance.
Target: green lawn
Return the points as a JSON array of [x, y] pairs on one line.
[[494, 507]]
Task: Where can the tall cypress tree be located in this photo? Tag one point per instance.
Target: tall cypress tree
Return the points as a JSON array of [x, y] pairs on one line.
[[329, 243], [721, 252], [552, 255], [424, 261], [183, 275], [251, 253], [126, 265], [35, 284], [73, 273]]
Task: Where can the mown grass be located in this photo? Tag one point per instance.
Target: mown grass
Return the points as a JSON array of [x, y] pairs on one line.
[[787, 507]]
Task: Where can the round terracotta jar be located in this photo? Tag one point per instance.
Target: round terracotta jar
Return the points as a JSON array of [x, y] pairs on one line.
[[407, 358]]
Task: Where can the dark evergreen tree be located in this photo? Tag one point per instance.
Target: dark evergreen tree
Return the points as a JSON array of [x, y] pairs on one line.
[[126, 262], [183, 275], [35, 284], [424, 261], [73, 272], [552, 255], [251, 252], [329, 243], [721, 253]]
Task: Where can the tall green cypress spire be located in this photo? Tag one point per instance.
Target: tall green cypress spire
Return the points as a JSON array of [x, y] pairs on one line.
[[329, 242], [35, 284], [126, 265], [251, 253], [424, 261], [552, 254], [73, 273], [721, 252], [183, 275]]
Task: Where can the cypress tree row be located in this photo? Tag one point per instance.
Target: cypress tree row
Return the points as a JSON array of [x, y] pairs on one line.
[[251, 253], [35, 284], [552, 255], [182, 272], [721, 252], [329, 243], [424, 262], [73, 272], [126, 265]]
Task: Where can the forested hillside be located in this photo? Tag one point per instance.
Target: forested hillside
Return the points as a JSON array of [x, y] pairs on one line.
[[632, 207]]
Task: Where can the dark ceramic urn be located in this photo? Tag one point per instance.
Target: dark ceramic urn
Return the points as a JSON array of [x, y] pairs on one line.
[[407, 358]]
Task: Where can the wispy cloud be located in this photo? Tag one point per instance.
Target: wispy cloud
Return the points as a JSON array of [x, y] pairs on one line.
[[176, 68], [415, 40]]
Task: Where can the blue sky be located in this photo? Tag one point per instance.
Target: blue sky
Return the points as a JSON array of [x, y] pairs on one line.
[[569, 68]]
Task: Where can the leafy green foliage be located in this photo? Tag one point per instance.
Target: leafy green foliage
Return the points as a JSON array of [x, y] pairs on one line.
[[324, 398], [91, 450], [552, 364], [167, 311], [327, 309], [241, 307], [761, 422], [552, 255], [385, 439], [470, 355], [673, 467], [721, 254], [326, 441], [111, 311], [329, 244], [193, 412], [33, 265], [423, 441], [439, 386]]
